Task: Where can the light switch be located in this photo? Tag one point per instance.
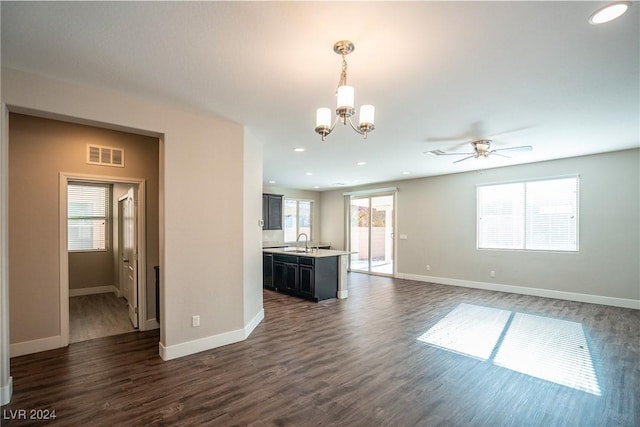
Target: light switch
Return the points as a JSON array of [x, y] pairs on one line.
[[403, 237]]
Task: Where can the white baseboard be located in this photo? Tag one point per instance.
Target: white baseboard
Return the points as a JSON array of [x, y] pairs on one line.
[[94, 290], [196, 346], [249, 327], [548, 293], [6, 391], [50, 343], [211, 342], [343, 294], [35, 346]]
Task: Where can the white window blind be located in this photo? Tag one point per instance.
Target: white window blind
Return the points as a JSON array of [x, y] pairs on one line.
[[88, 217], [533, 215]]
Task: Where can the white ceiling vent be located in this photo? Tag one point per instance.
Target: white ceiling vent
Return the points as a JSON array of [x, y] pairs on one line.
[[105, 156]]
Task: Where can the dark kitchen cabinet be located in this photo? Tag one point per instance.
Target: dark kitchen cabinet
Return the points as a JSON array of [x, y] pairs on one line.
[[267, 271], [272, 211], [314, 278], [278, 275], [306, 285], [291, 277], [285, 273]]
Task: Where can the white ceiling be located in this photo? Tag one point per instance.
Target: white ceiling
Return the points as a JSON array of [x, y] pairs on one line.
[[439, 73]]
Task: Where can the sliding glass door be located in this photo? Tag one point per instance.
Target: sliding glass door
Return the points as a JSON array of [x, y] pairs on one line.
[[371, 233]]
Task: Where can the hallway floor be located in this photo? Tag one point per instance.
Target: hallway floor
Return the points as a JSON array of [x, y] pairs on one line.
[[98, 315]]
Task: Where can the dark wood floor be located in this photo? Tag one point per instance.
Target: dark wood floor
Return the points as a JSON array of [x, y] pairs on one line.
[[353, 362]]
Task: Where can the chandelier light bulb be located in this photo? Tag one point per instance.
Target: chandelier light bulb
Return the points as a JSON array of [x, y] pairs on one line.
[[345, 97], [367, 113], [323, 117]]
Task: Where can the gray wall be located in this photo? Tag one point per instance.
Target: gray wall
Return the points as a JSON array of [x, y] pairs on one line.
[[438, 215]]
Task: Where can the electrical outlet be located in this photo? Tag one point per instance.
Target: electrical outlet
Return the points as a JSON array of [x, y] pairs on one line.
[[492, 273], [428, 267], [195, 321]]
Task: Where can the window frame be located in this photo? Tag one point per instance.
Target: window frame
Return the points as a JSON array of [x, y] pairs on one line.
[[525, 206], [297, 221], [107, 218]]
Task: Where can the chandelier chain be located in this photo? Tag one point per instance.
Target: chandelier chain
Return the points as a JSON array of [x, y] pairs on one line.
[[343, 74]]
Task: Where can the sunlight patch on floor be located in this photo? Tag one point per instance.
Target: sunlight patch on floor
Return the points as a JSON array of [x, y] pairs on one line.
[[549, 349], [469, 329]]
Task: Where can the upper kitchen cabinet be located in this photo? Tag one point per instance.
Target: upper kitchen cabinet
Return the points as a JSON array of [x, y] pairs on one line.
[[272, 211]]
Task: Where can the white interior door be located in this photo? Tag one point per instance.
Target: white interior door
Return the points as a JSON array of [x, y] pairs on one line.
[[129, 254]]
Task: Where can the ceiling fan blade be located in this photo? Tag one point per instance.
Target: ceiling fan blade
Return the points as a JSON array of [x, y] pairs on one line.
[[475, 129], [444, 139], [493, 153], [443, 153], [509, 131], [520, 148], [466, 158]]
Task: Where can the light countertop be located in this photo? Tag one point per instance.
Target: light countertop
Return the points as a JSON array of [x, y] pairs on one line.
[[269, 245], [320, 253]]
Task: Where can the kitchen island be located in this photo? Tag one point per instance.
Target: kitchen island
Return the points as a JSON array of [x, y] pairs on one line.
[[314, 274]]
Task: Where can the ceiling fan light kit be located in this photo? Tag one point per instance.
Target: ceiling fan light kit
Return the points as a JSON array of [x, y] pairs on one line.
[[345, 102]]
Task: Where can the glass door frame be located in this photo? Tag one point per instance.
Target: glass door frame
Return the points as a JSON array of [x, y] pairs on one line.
[[372, 195]]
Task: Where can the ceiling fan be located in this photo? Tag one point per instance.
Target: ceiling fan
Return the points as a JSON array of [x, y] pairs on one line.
[[481, 149]]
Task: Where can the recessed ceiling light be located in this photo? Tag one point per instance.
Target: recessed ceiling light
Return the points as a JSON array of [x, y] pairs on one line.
[[609, 12], [272, 182], [316, 186], [361, 163], [298, 149], [406, 173], [309, 173]]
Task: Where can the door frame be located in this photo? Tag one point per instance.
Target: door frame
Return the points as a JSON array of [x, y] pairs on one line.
[[391, 191], [64, 179]]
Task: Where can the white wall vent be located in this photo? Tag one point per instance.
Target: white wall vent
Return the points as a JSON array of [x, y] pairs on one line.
[[105, 156]]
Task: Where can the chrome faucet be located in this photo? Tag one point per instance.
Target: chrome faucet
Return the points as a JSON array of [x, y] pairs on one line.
[[306, 241]]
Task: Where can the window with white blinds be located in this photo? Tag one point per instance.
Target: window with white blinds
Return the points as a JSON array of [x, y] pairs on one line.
[[298, 215], [532, 215], [88, 217]]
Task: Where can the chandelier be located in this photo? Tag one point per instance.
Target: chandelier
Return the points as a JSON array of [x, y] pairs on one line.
[[344, 109]]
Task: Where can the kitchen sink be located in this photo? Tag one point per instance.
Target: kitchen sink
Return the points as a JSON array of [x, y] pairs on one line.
[[296, 250]]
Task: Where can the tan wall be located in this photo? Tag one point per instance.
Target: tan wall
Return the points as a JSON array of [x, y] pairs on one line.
[[39, 149], [91, 269]]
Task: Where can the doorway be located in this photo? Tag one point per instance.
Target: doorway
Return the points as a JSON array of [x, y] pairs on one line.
[[123, 302], [372, 233]]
